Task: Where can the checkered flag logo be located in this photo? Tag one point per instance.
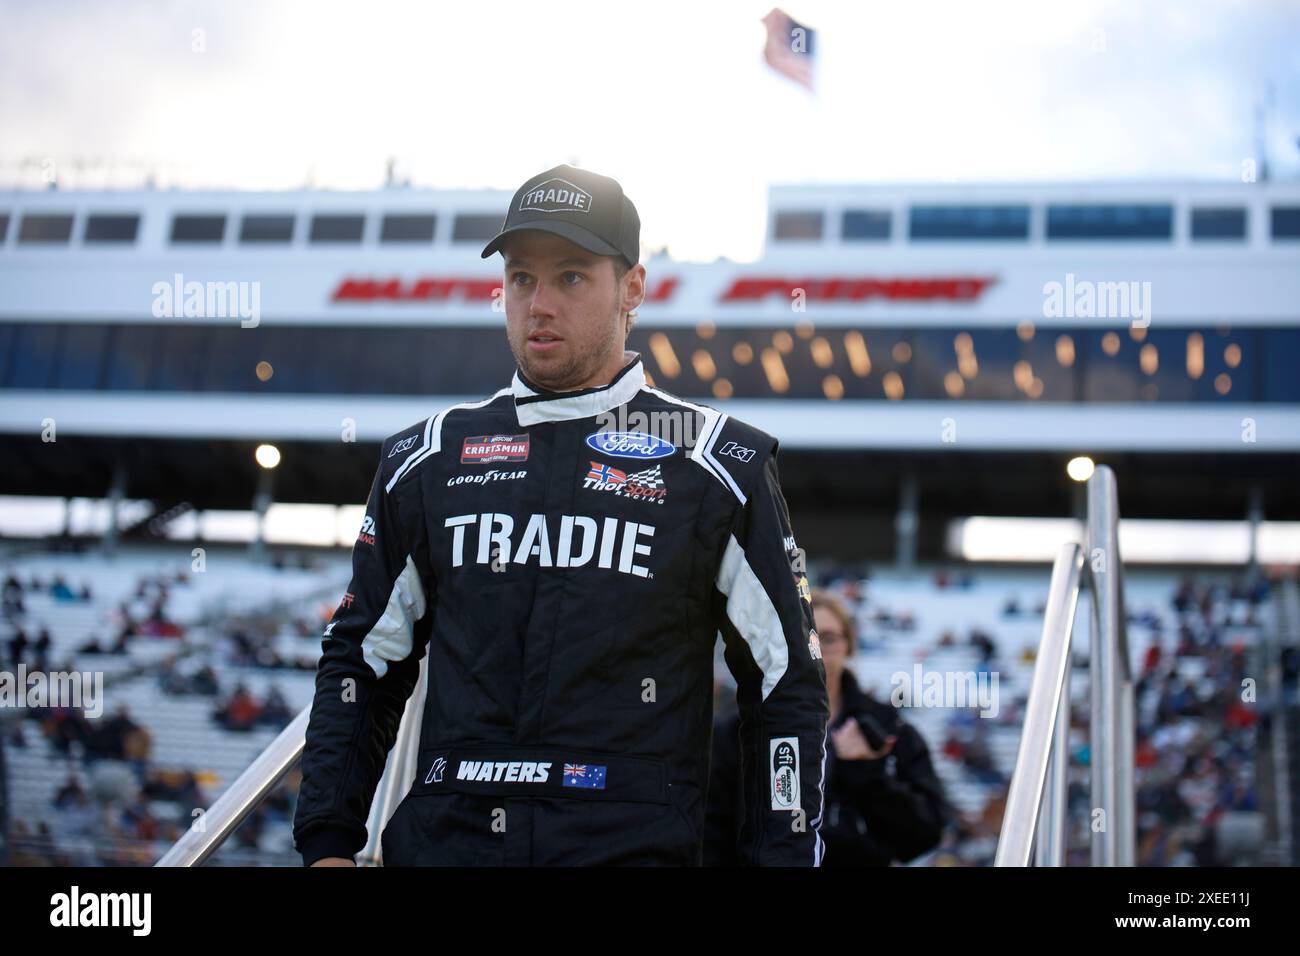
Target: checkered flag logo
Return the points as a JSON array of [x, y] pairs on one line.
[[650, 478]]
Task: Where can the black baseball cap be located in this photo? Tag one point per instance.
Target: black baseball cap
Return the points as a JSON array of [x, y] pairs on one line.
[[586, 208]]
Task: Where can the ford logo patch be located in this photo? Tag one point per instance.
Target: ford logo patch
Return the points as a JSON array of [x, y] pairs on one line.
[[630, 445]]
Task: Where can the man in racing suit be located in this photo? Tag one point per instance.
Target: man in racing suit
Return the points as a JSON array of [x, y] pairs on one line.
[[566, 552]]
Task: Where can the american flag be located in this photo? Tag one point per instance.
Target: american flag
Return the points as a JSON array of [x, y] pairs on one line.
[[603, 472], [789, 48]]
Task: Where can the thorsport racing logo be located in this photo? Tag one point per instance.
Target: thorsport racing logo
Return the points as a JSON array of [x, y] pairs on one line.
[[645, 485]]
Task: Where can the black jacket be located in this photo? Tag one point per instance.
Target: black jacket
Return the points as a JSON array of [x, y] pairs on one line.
[[877, 811], [569, 585]]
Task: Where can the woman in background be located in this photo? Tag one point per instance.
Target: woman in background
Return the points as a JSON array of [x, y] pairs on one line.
[[884, 802]]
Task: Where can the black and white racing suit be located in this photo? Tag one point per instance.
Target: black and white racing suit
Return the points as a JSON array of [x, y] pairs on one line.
[[568, 579]]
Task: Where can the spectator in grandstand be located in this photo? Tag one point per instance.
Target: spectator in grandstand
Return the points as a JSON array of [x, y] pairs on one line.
[[986, 648], [12, 596], [60, 591], [94, 646], [275, 709], [71, 794], [18, 647], [884, 802], [240, 712], [205, 682], [118, 737], [977, 759], [41, 649]]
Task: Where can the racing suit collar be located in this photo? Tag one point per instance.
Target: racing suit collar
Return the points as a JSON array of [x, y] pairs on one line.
[[534, 404]]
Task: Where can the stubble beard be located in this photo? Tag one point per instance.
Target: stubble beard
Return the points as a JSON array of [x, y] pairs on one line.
[[576, 368]]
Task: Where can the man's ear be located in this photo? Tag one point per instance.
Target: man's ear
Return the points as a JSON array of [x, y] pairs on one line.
[[635, 288]]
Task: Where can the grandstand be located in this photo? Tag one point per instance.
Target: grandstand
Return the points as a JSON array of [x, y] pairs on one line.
[[159, 627]]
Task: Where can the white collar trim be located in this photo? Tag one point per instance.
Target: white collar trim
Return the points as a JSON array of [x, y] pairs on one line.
[[533, 407]]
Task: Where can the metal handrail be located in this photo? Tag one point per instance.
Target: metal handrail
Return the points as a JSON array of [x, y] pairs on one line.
[[1034, 821], [241, 798], [255, 784]]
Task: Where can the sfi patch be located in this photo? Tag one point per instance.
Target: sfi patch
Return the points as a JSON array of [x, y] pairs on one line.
[[784, 754]]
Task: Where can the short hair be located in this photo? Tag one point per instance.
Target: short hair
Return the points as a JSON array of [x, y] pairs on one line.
[[832, 602]]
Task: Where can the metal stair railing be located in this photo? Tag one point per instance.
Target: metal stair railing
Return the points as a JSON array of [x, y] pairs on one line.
[[255, 784], [1034, 821]]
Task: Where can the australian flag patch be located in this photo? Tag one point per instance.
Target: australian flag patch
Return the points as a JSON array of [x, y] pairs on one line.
[[585, 775]]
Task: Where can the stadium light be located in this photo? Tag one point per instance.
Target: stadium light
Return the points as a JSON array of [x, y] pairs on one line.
[[268, 456], [1081, 468]]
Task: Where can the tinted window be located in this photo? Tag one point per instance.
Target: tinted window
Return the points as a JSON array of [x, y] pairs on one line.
[[4, 226], [82, 353], [198, 228], [132, 356], [865, 224], [475, 228], [45, 229], [799, 225], [260, 228], [1286, 222], [336, 228], [402, 227], [1219, 223], [970, 222], [31, 361], [1101, 221], [232, 360], [181, 357], [1279, 351], [112, 228]]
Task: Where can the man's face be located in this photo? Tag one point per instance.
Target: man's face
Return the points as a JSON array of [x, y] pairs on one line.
[[564, 311]]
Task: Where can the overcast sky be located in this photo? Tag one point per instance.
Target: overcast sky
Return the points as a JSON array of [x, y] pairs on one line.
[[671, 97]]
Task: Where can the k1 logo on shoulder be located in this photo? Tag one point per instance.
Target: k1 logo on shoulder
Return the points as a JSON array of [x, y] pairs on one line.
[[630, 445], [784, 753], [403, 445], [738, 452]]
